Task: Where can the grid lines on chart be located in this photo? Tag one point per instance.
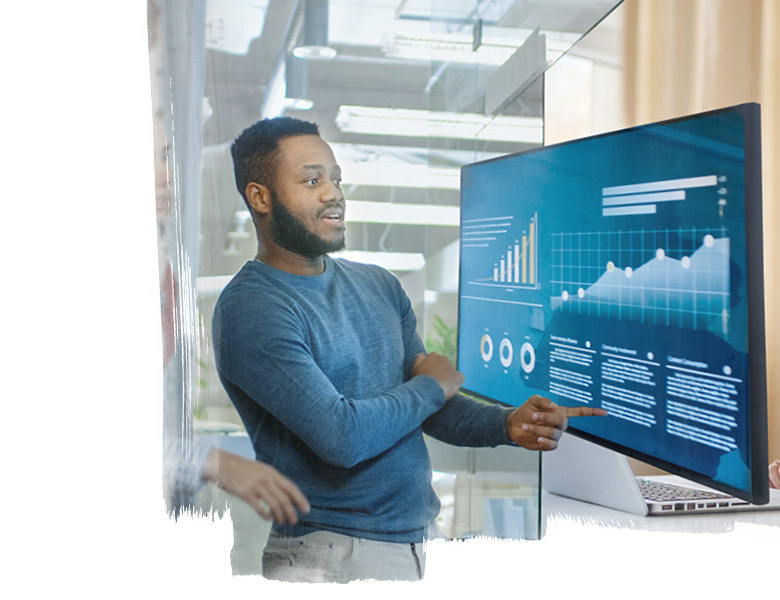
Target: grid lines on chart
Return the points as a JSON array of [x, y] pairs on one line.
[[675, 276]]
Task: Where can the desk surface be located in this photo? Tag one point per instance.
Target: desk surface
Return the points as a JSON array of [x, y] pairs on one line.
[[557, 508]]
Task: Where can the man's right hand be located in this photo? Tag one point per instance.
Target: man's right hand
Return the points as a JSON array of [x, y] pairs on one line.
[[441, 369]]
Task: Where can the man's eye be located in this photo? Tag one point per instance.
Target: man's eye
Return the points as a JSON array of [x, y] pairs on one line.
[[312, 181], [337, 183]]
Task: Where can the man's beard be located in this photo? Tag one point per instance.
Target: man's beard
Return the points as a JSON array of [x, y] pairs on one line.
[[289, 232]]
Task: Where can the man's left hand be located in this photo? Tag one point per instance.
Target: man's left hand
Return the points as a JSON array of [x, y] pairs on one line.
[[539, 423]]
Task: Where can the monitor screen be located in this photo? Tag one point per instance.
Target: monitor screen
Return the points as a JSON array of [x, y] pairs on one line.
[[624, 271]]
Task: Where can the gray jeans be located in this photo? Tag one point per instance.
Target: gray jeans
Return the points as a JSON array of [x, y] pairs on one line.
[[324, 556]]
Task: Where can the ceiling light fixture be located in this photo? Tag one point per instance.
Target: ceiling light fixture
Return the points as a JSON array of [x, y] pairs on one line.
[[363, 211], [360, 211], [388, 173], [454, 48], [392, 261], [416, 123], [413, 41], [314, 43], [213, 285]]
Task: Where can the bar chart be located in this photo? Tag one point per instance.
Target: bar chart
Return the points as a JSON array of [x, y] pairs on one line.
[[643, 198], [511, 247]]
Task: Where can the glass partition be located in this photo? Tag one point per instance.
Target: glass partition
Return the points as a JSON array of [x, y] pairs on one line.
[[405, 92], [497, 54]]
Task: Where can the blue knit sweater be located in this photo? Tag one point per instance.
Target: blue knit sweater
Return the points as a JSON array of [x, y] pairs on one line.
[[318, 368]]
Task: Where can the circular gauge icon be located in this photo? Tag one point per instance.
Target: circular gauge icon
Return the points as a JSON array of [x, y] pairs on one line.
[[505, 352], [486, 348], [527, 357]]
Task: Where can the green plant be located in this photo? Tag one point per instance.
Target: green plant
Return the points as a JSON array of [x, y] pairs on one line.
[[203, 370], [446, 340]]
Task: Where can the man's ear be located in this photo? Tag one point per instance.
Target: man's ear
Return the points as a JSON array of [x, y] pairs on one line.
[[259, 197]]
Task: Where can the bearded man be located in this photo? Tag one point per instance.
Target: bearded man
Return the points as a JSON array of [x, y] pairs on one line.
[[322, 359]]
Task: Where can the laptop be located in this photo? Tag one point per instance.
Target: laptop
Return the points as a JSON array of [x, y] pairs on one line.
[[585, 471]]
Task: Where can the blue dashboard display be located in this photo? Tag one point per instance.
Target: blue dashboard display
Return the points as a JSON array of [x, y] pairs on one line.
[[613, 272]]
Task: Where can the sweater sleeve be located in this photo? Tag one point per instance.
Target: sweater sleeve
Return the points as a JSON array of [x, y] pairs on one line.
[[464, 421], [266, 354]]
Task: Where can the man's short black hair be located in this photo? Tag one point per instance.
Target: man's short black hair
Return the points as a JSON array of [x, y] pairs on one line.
[[255, 150]]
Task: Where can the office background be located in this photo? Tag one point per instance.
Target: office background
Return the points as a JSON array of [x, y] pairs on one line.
[[404, 98], [82, 344]]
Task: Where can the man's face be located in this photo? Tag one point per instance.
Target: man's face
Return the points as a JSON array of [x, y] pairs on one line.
[[306, 198]]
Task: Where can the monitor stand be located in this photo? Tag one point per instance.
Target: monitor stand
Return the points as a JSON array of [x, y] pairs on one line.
[[586, 471]]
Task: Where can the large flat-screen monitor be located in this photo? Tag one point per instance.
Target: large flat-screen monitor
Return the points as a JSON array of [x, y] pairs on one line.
[[624, 271]]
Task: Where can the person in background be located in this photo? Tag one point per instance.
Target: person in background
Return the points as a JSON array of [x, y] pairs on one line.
[[267, 491]]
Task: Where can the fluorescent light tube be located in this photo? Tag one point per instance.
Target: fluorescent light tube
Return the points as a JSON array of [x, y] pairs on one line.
[[402, 214], [393, 261], [424, 123], [412, 40], [211, 285], [399, 174]]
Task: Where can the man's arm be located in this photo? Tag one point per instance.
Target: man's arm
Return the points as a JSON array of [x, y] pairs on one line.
[[537, 424], [464, 421], [268, 359], [441, 369]]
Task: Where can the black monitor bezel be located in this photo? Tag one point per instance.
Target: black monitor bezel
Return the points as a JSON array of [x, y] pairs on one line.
[[758, 427]]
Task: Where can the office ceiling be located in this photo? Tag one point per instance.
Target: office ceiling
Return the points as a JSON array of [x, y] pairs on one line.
[[246, 45]]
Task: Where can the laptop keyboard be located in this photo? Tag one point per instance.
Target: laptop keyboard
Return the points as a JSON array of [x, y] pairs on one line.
[[664, 492]]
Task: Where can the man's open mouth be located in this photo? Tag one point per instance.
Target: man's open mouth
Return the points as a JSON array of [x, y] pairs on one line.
[[333, 215]]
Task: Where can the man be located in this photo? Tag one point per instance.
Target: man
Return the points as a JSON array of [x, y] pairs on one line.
[[323, 362]]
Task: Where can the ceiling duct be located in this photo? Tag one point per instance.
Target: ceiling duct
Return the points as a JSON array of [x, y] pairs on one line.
[[296, 93]]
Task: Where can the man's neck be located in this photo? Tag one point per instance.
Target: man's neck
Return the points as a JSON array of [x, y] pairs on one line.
[[290, 262]]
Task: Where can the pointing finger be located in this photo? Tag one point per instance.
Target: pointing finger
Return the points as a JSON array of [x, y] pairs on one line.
[[583, 411], [542, 403]]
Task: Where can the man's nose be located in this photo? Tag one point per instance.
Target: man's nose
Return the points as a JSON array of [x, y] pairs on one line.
[[332, 191]]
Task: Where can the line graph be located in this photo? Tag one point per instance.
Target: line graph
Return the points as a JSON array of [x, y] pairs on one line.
[[677, 277]]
